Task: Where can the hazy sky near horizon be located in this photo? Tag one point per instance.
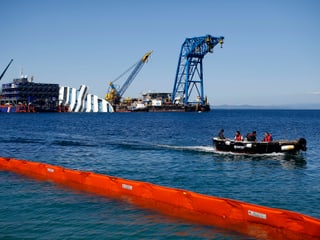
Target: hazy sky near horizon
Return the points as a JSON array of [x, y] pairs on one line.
[[271, 54]]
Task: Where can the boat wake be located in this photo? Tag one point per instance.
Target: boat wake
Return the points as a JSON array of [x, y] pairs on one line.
[[296, 160], [149, 146], [209, 149], [246, 154], [203, 149]]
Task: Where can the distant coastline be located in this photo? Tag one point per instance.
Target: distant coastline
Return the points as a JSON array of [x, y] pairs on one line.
[[309, 106]]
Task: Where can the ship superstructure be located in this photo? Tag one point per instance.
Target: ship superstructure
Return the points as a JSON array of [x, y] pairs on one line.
[[24, 95], [30, 96]]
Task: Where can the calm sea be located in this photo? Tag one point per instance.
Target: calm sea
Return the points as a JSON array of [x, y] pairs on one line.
[[170, 149]]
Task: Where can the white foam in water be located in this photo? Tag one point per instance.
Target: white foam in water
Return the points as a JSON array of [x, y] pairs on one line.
[[190, 148], [213, 150], [250, 154]]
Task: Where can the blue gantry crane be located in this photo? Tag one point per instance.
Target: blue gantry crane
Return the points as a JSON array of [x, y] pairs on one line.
[[188, 84], [115, 93]]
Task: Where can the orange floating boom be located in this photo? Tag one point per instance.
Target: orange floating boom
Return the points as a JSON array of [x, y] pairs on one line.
[[250, 219]]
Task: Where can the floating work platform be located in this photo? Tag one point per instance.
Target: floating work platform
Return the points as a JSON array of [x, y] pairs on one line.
[[158, 102], [164, 108], [250, 219], [24, 95]]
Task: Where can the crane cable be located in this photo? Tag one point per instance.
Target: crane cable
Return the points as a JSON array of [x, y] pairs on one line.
[[126, 71]]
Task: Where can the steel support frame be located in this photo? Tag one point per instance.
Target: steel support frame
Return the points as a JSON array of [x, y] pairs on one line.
[[189, 75]]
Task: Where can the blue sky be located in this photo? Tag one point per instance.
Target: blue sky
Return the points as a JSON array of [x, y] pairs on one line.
[[271, 54]]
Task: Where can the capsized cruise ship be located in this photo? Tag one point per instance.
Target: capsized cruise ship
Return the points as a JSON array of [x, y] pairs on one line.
[[24, 95]]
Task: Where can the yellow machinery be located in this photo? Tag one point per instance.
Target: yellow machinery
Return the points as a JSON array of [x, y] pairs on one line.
[[114, 94]]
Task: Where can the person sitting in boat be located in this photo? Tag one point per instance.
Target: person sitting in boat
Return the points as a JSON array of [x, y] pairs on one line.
[[267, 137], [252, 136], [238, 136], [221, 134]]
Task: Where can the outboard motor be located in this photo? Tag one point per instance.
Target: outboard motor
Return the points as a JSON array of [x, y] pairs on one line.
[[303, 144]]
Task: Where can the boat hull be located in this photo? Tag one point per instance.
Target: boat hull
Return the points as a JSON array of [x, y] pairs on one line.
[[247, 147]]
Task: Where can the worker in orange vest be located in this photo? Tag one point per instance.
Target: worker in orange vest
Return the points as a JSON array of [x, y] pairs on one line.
[[267, 137], [238, 136]]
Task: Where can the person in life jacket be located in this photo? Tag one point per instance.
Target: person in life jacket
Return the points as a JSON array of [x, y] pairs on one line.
[[238, 136], [267, 137]]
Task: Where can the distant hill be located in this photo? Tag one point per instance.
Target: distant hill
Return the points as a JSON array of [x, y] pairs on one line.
[[309, 106]]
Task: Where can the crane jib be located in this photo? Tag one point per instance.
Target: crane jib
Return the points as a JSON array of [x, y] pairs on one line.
[[114, 94], [4, 71]]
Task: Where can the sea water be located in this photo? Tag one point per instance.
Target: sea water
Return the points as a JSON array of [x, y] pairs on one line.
[[169, 149]]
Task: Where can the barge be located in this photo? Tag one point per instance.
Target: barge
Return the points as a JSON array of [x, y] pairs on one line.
[[158, 102]]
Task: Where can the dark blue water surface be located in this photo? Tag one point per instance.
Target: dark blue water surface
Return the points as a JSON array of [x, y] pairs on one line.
[[170, 149]]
